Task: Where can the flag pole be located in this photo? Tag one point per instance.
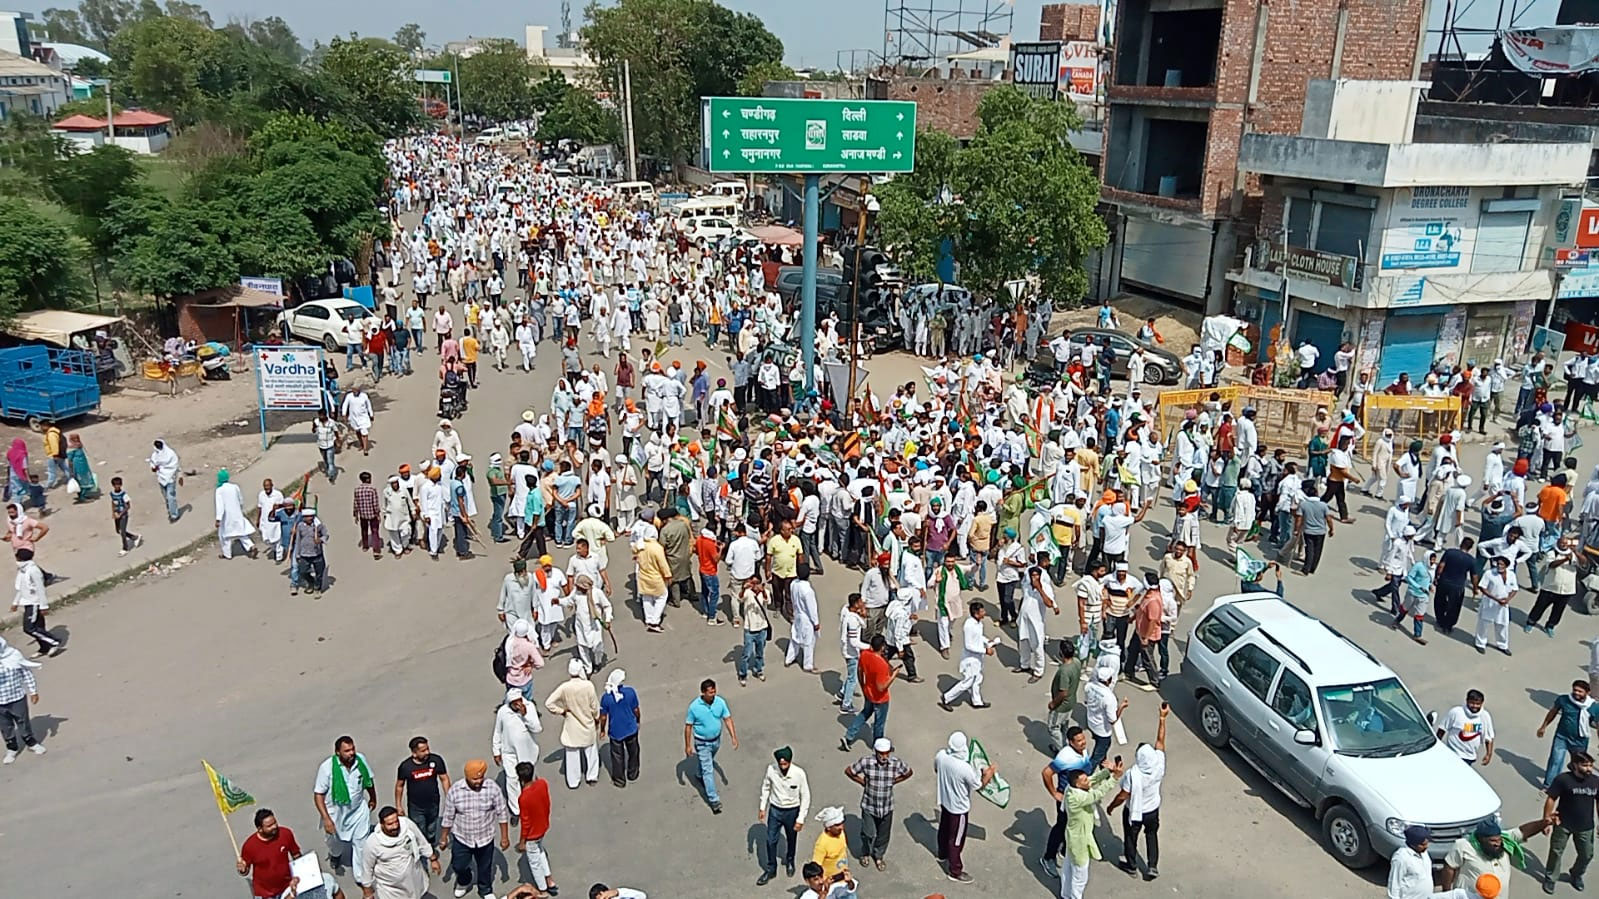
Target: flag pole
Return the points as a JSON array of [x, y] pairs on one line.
[[234, 841]]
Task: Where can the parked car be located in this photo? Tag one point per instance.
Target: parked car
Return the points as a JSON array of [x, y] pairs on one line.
[[712, 230], [1161, 367], [830, 285], [1330, 726], [320, 321], [516, 131], [490, 137]]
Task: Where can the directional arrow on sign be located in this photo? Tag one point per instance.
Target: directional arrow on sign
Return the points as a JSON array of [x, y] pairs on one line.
[[726, 153], [726, 132], [898, 154], [728, 112], [899, 117], [900, 135]]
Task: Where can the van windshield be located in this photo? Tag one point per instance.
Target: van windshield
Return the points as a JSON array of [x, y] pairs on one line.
[[1375, 720]]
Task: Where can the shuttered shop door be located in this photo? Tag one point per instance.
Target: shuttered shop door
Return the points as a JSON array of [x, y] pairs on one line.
[[1169, 258], [1407, 346], [1324, 332], [1501, 241]]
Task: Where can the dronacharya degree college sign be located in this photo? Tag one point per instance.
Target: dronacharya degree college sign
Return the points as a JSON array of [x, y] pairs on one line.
[[765, 134]]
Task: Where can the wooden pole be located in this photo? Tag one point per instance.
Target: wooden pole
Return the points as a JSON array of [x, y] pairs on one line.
[[232, 840]]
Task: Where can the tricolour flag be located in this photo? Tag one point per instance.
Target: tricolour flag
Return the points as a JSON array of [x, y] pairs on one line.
[[726, 426], [229, 797]]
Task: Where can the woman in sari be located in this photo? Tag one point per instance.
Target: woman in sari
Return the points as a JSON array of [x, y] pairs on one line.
[[78, 462], [17, 461]]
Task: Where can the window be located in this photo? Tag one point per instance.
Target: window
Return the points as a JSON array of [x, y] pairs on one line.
[[1377, 719], [1221, 628], [1293, 701], [1254, 669], [1501, 242], [1345, 230], [314, 312]]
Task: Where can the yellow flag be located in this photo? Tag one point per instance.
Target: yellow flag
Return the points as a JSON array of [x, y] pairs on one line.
[[229, 797]]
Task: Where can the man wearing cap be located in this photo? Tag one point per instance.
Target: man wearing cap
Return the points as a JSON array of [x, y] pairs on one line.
[[877, 774], [1495, 589], [471, 811], [306, 546], [576, 701], [1410, 867], [446, 438], [785, 797]]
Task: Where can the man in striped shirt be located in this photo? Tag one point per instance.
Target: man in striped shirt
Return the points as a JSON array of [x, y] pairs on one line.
[[17, 689]]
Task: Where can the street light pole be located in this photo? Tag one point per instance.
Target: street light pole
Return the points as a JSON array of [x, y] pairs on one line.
[[855, 291]]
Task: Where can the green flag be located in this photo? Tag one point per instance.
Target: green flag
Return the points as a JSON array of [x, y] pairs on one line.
[[229, 797]]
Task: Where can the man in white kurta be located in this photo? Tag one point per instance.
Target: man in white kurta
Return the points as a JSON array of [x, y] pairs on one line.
[[431, 500], [974, 647], [267, 502], [396, 858], [591, 616], [516, 738], [1496, 588], [230, 520], [807, 621], [1038, 593], [551, 584], [396, 516]]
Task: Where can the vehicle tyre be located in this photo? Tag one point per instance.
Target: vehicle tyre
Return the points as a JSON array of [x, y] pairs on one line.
[[329, 344], [1346, 837], [1212, 723], [36, 424], [1154, 374]]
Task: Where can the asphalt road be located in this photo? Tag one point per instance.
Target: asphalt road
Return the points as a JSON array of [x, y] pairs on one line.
[[219, 662]]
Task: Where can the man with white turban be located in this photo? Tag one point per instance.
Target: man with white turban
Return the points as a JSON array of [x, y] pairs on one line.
[[396, 858], [516, 738], [956, 780], [591, 617], [17, 689], [576, 701]]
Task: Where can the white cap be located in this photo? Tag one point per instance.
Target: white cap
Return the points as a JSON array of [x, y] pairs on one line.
[[882, 745]]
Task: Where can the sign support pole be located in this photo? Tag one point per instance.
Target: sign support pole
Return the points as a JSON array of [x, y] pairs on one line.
[[808, 281]]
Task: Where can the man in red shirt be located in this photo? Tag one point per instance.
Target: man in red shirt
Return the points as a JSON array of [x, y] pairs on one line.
[[1146, 634], [533, 806], [265, 857], [709, 551], [875, 675]]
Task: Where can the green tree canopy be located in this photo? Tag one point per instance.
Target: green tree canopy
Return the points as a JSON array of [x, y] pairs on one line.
[[40, 260], [1016, 199], [497, 82], [571, 112], [410, 37], [376, 76], [679, 51]]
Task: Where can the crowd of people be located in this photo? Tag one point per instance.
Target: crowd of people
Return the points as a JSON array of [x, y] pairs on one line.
[[731, 497]]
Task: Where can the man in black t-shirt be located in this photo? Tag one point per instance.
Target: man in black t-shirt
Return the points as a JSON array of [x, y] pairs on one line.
[[422, 774], [1571, 797], [1456, 570]]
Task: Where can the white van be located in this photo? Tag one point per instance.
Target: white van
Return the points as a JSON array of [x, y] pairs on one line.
[[707, 207], [735, 189], [635, 192]]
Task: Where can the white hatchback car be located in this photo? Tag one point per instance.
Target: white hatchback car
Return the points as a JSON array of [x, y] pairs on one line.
[[322, 322], [1330, 726]]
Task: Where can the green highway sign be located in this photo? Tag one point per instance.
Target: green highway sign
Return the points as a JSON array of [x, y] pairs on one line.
[[768, 134], [431, 76]]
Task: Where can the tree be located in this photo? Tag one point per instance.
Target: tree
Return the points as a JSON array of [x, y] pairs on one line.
[[274, 36], [575, 114], [104, 18], [40, 260], [376, 75], [90, 67], [65, 25], [175, 253], [172, 64], [497, 82], [753, 82], [679, 51], [86, 183], [1016, 200], [194, 12], [409, 37]]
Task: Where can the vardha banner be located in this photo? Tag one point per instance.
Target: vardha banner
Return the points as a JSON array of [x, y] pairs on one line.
[[290, 377]]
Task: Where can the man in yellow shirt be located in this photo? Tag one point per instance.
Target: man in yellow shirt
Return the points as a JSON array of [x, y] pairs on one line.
[[469, 349], [783, 552], [832, 851], [654, 575]]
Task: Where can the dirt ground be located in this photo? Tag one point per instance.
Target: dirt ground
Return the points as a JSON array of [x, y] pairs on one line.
[[1179, 326]]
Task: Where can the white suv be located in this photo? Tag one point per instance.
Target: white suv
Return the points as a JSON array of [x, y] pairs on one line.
[[1330, 726]]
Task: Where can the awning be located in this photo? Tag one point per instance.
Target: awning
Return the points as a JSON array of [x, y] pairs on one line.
[[55, 325], [779, 235], [251, 298]]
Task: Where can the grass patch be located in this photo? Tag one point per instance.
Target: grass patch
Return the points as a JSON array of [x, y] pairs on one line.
[[165, 174]]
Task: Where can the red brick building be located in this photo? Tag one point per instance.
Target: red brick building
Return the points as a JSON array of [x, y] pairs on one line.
[[1187, 81], [1068, 22]]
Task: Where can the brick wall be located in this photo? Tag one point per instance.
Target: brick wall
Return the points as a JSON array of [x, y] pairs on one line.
[[1068, 22], [943, 104]]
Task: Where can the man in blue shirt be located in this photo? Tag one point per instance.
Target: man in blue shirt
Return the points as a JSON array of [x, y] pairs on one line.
[[702, 736], [1575, 713], [619, 718]]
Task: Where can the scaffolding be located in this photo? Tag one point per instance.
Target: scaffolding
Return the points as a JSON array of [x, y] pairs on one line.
[[922, 35]]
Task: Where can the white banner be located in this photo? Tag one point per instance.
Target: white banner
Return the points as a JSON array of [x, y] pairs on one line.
[[289, 377], [1555, 50]]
